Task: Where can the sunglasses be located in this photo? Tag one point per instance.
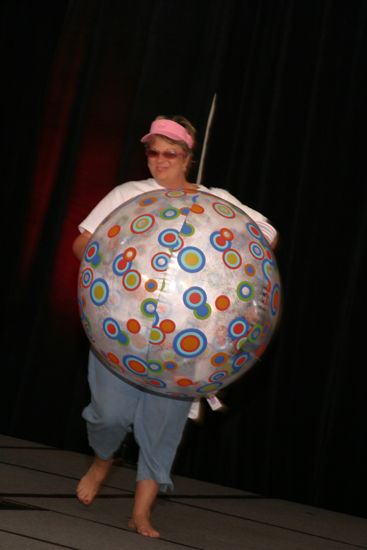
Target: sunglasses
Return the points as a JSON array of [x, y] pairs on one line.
[[168, 155]]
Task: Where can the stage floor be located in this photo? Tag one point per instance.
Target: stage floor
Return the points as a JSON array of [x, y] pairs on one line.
[[38, 511]]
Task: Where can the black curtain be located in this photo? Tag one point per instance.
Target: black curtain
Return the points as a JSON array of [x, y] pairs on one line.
[[82, 80], [289, 138]]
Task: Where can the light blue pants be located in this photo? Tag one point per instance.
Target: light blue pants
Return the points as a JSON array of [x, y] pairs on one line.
[[117, 407]]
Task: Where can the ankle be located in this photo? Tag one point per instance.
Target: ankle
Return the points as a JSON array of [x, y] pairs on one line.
[[101, 463]]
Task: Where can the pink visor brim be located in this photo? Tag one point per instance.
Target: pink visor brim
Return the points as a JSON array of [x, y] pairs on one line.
[[170, 129]]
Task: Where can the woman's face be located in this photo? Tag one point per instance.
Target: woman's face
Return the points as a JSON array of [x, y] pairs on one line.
[[168, 170]]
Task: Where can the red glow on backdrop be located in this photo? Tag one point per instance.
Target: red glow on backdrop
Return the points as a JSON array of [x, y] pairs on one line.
[[97, 159], [53, 132], [95, 175]]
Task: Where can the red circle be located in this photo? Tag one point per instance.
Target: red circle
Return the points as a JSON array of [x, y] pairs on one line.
[[170, 237], [111, 328], [195, 298], [238, 328], [121, 264], [221, 241]]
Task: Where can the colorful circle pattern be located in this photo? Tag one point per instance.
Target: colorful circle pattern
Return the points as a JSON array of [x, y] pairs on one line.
[[179, 292]]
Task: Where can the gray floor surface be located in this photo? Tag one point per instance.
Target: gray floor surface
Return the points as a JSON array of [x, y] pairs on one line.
[[38, 511]]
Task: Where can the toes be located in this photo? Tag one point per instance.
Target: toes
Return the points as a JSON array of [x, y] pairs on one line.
[[146, 530]]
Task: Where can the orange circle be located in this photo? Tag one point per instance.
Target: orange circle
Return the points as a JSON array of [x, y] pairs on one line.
[[113, 358], [197, 209], [114, 230], [170, 365], [250, 270], [136, 366], [184, 382], [222, 302], [167, 326], [133, 326], [190, 343], [151, 285], [213, 361]]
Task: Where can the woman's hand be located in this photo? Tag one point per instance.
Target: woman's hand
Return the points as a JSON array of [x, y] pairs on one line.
[[80, 244]]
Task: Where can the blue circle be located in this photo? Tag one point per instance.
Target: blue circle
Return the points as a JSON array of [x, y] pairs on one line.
[[199, 255], [203, 311], [187, 333], [240, 360], [254, 230], [217, 376], [162, 236], [256, 250], [99, 300], [189, 292], [108, 322], [160, 261], [87, 277], [241, 321], [116, 269], [220, 359], [170, 365], [156, 382], [128, 358], [213, 241], [123, 338], [92, 247], [187, 229]]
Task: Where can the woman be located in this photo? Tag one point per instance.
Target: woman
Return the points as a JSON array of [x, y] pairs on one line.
[[116, 406]]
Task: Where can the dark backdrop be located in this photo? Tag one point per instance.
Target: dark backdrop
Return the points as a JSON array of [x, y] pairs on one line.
[[81, 81]]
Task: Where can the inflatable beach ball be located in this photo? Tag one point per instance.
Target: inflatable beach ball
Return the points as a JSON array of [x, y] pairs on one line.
[[179, 292]]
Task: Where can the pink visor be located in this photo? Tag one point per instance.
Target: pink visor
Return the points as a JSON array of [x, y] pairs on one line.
[[170, 129]]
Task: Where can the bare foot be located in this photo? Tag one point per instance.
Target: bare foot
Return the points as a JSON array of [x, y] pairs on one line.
[[91, 482], [143, 527], [146, 491]]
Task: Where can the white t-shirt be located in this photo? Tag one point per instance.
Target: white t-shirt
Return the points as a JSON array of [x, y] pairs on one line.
[[125, 191]]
